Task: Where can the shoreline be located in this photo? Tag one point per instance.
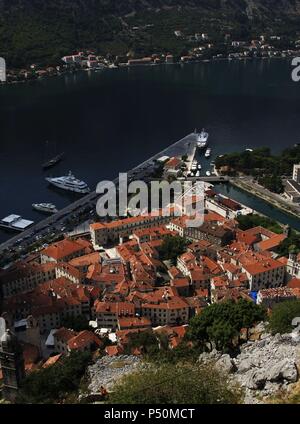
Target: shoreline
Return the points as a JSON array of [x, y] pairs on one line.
[[126, 66], [250, 190]]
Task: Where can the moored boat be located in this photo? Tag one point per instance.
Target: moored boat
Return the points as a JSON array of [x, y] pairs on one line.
[[70, 183], [208, 153], [45, 207], [52, 162]]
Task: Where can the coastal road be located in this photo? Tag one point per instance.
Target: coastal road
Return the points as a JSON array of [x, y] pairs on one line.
[[276, 200], [54, 224]]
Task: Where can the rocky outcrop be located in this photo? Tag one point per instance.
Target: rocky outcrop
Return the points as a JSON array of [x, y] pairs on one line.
[[263, 367], [108, 370]]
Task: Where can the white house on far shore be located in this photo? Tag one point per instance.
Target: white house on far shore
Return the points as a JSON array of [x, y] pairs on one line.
[[2, 70]]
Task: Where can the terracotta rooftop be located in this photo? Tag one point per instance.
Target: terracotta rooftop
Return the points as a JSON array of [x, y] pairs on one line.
[[272, 242], [180, 282], [64, 334], [118, 308], [63, 248], [133, 322], [279, 292], [84, 339], [52, 360], [294, 283], [85, 260]]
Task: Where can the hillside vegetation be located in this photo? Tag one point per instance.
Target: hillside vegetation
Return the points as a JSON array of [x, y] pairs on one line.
[[42, 31]]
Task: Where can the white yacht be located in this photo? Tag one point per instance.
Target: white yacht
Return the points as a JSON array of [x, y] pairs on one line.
[[199, 166], [202, 139], [208, 153], [194, 166], [69, 183], [45, 207], [208, 173]]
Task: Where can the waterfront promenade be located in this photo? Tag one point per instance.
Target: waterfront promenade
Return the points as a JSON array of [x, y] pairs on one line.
[[276, 200]]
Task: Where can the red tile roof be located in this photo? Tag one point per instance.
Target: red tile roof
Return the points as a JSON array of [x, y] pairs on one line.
[[180, 282], [63, 248], [272, 243], [173, 163], [118, 308], [85, 260], [175, 302], [113, 350], [84, 339], [52, 360], [64, 334], [278, 292], [256, 263], [294, 283], [133, 322]]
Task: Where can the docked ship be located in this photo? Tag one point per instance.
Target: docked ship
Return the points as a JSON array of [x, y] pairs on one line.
[[208, 153], [50, 163], [202, 139], [45, 207], [69, 183]]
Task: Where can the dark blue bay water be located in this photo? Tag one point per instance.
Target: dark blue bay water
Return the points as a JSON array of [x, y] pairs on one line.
[[108, 121]]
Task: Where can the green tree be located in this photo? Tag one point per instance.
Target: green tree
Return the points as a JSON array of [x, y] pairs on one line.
[[52, 384], [292, 243], [283, 315], [143, 339], [250, 221], [221, 323], [79, 323], [222, 333], [261, 164], [180, 384], [172, 247]]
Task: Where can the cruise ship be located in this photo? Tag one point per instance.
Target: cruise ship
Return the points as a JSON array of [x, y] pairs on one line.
[[45, 207], [202, 139], [69, 183]]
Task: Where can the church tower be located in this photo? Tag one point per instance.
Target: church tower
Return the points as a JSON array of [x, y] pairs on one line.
[[12, 365]]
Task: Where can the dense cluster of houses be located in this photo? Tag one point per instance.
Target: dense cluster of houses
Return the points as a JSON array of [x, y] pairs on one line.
[[262, 46], [115, 279]]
